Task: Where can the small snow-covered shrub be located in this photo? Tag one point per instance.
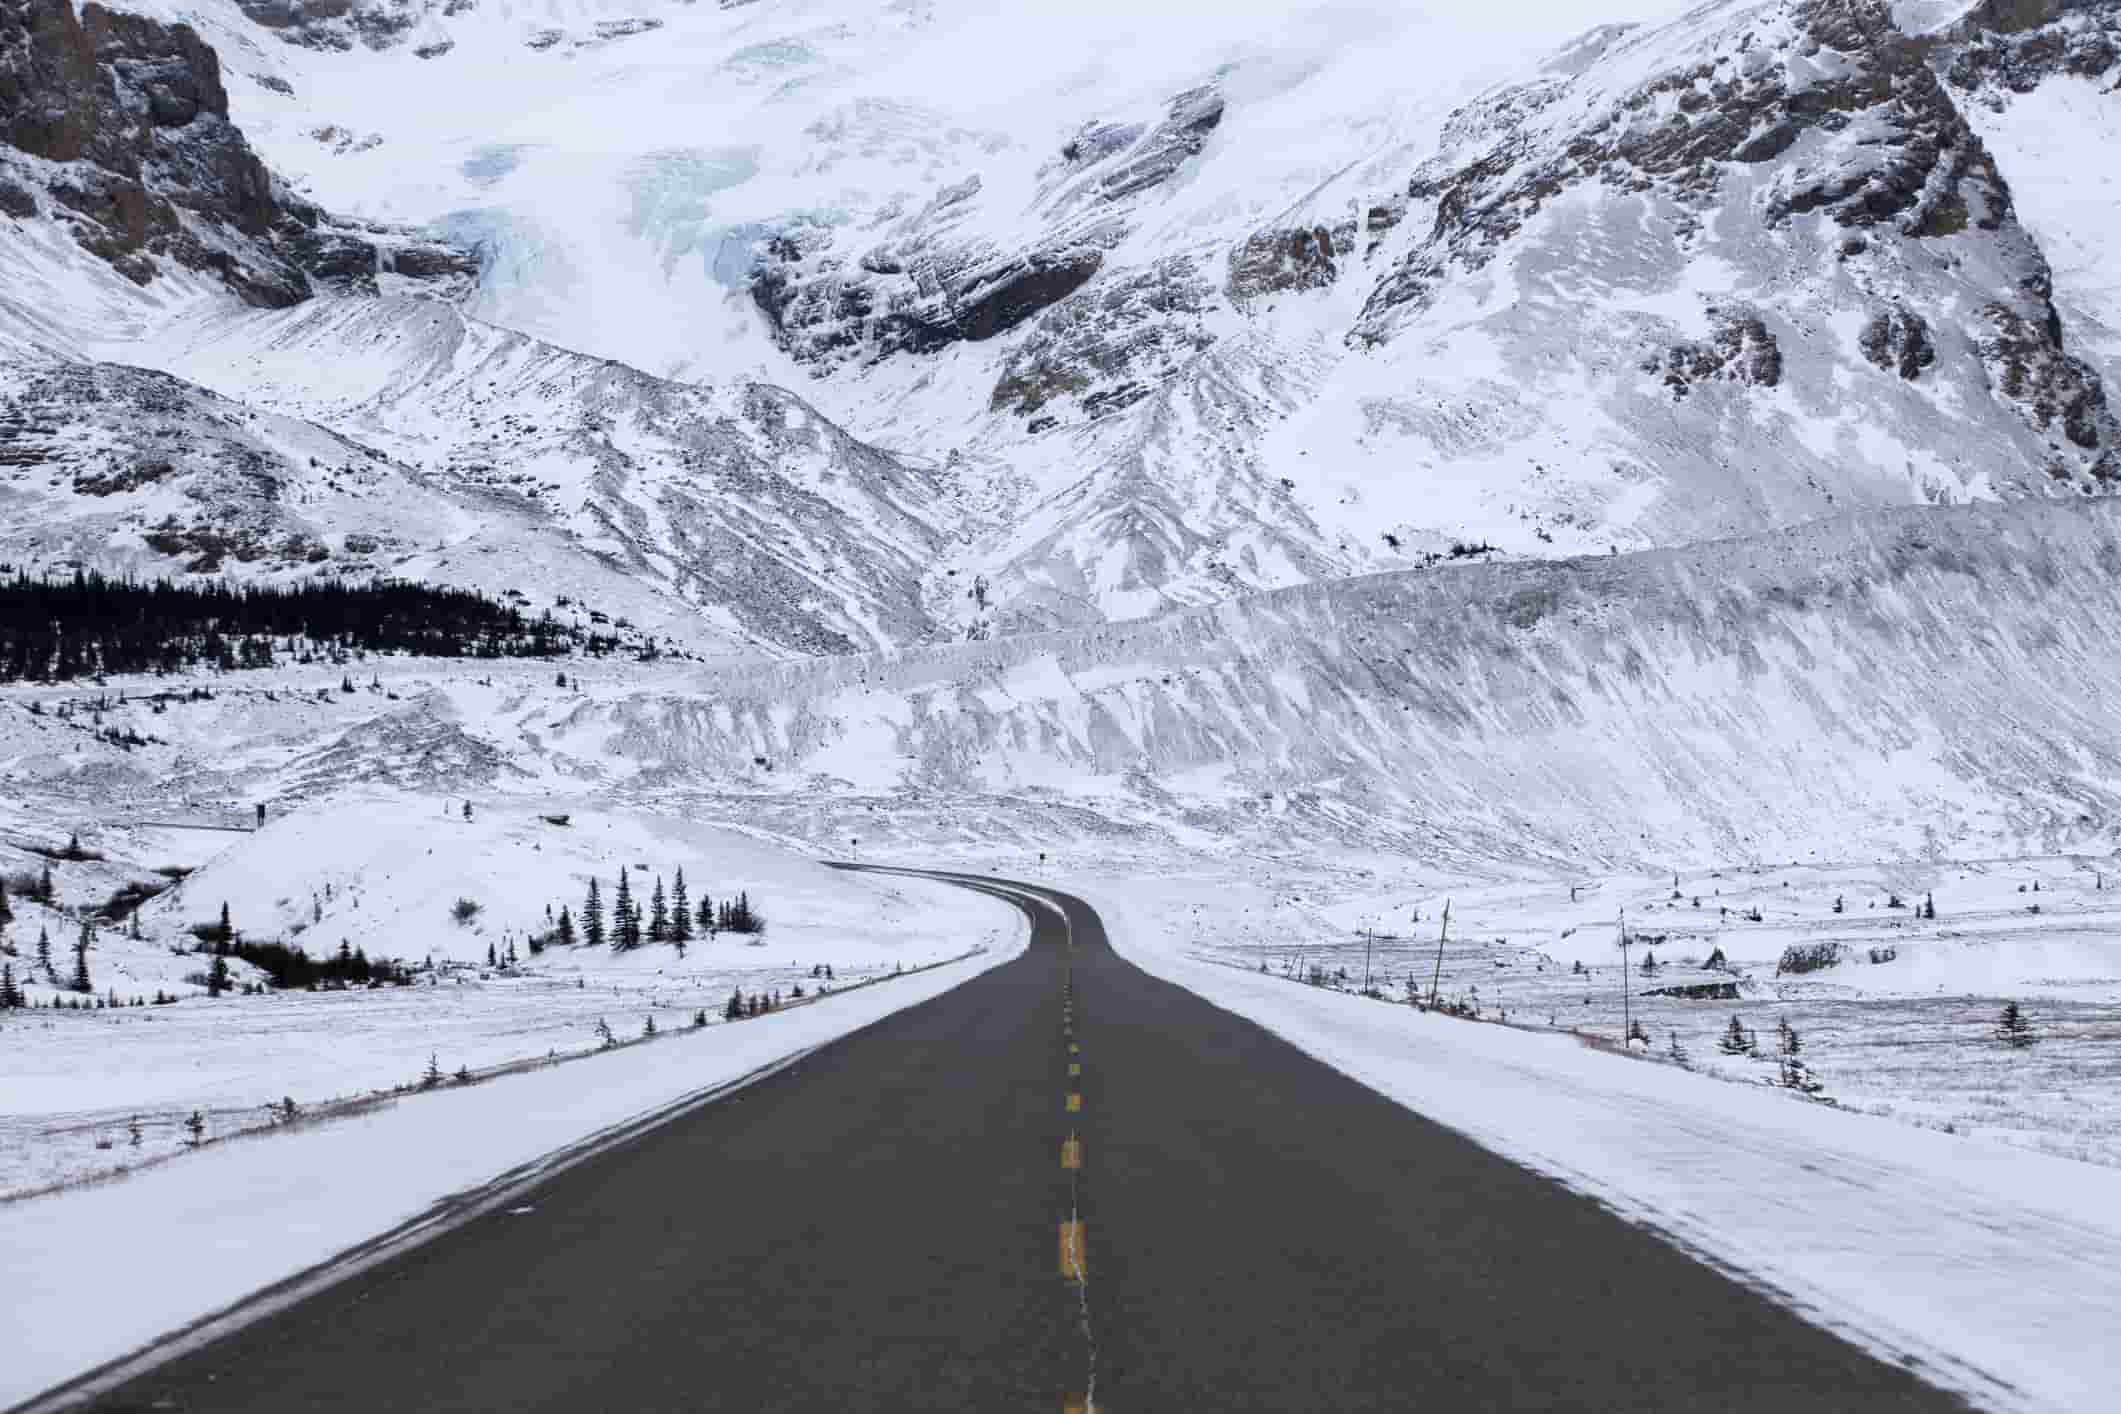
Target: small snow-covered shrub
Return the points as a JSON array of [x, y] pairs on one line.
[[1808, 957], [464, 910]]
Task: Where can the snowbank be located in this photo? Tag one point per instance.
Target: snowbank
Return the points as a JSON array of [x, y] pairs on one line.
[[1994, 1271], [206, 1230]]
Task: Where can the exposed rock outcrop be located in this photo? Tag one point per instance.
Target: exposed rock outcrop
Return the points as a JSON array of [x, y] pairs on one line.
[[1899, 339], [1742, 350], [139, 159]]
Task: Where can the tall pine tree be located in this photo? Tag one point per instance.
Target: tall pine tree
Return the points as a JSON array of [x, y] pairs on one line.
[[658, 914], [625, 918], [680, 911], [593, 917], [564, 933], [44, 955], [81, 982]]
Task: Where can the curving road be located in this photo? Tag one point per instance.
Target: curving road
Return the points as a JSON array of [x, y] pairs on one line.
[[901, 1222]]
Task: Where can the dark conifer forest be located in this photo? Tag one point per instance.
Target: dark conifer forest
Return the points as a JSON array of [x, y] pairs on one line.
[[54, 630]]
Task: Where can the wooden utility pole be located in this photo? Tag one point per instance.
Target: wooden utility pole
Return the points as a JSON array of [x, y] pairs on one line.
[[1627, 1015], [1436, 981], [1369, 944]]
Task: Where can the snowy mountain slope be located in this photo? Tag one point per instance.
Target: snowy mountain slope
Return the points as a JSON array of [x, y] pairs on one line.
[[2038, 83], [1214, 301], [739, 501], [1205, 304], [1888, 683], [732, 520]]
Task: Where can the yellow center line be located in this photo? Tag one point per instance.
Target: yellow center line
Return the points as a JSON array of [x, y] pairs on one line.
[[1074, 1050], [1072, 1153], [1075, 1103], [1075, 1068], [1074, 1259]]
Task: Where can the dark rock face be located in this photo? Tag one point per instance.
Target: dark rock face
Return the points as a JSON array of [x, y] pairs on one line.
[[151, 169], [136, 112], [1742, 350], [823, 312], [929, 285], [2027, 364], [1899, 339], [1184, 131], [1927, 173], [1111, 346], [2013, 46], [1271, 262]]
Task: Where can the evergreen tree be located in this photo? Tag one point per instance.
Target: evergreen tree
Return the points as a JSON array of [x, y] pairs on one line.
[[81, 982], [1787, 1041], [735, 1010], [2014, 1028], [1929, 907], [467, 810], [565, 931], [196, 1128], [680, 912], [624, 921], [649, 1029], [7, 913], [10, 994], [48, 892], [44, 955], [432, 1076], [226, 929], [605, 1038], [1735, 1042], [707, 916], [217, 979], [593, 917], [1717, 961], [491, 960], [658, 914], [1649, 963]]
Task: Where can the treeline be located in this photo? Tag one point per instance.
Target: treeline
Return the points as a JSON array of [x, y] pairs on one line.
[[669, 917], [292, 967], [54, 630]]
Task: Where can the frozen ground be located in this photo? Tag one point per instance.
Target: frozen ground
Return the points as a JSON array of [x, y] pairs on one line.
[[1909, 1036], [380, 872], [1990, 1268], [237, 1216]]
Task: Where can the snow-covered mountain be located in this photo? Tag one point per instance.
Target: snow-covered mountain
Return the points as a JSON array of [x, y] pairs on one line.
[[1204, 301]]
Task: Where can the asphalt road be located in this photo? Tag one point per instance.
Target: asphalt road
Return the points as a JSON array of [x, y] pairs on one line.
[[884, 1227]]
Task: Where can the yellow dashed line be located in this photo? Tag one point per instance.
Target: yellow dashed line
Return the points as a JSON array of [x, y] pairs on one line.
[[1072, 1153], [1075, 1103], [1075, 1068], [1074, 1259], [1076, 1404], [1074, 1050]]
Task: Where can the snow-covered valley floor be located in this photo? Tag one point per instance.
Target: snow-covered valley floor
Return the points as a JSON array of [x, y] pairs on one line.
[[380, 872], [1991, 1268], [1895, 1212]]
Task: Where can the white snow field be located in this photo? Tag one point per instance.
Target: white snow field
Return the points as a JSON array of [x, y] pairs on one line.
[[1991, 1270], [381, 872], [240, 1215]]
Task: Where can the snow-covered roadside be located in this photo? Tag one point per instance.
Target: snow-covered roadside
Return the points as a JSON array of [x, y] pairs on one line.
[[1993, 1270], [205, 1231]]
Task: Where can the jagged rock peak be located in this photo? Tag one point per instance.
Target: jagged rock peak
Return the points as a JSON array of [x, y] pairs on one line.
[[128, 122]]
